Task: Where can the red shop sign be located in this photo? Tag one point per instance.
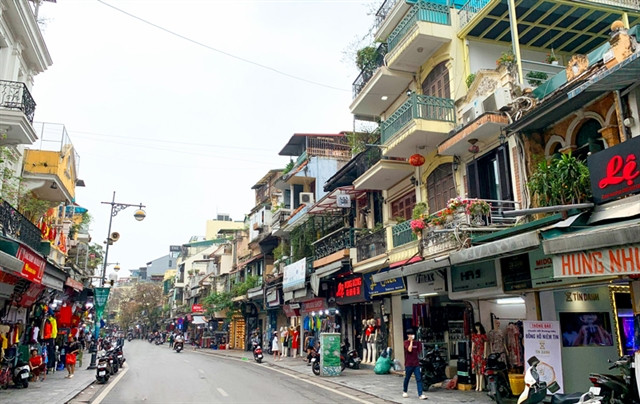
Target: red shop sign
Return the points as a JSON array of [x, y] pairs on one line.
[[614, 171], [33, 264], [29, 297], [314, 305], [289, 311], [197, 308], [72, 283], [350, 291]]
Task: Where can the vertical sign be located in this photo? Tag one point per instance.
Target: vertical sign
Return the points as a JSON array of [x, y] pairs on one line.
[[542, 339], [330, 354]]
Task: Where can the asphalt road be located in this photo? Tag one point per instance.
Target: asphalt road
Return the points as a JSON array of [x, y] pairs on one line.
[[157, 374]]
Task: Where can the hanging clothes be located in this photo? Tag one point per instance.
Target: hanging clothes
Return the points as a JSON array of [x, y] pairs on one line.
[[514, 344], [54, 327]]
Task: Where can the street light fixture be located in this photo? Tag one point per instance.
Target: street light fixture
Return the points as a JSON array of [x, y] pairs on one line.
[[116, 207]]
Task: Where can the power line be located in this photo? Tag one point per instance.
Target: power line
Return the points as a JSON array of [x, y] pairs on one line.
[[272, 69]]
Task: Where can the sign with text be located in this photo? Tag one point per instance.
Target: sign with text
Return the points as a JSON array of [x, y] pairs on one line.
[[383, 287], [33, 264], [294, 275], [425, 284], [516, 274], [330, 354], [624, 260], [313, 305], [614, 171], [197, 308], [273, 297], [542, 339], [471, 277], [29, 297], [350, 291]]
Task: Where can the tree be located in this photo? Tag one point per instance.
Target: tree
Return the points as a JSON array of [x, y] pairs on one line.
[[142, 301]]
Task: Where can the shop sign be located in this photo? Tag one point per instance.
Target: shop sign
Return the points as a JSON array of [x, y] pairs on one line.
[[29, 297], [614, 261], [175, 248], [294, 275], [425, 283], [543, 340], [383, 287], [33, 264], [273, 297], [614, 171], [72, 283], [330, 354], [471, 277], [350, 291], [313, 305], [516, 274], [290, 311], [197, 308]]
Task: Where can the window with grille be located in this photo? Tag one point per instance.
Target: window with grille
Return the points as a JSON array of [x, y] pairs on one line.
[[403, 206]]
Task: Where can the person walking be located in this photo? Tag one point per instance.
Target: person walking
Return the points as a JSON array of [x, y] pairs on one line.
[[412, 350], [275, 346], [70, 356]]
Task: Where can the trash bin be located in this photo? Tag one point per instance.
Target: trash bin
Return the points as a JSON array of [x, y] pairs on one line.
[[517, 383]]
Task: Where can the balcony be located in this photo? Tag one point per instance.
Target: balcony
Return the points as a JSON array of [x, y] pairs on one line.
[[402, 234], [15, 225], [16, 113], [422, 121], [425, 28], [371, 245], [339, 240], [367, 72], [378, 93], [383, 175], [388, 16]]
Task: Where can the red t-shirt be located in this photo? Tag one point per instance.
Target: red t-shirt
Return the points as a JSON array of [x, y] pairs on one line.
[[411, 358], [35, 361]]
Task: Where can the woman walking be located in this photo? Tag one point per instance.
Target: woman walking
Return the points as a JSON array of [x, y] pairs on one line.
[[70, 357]]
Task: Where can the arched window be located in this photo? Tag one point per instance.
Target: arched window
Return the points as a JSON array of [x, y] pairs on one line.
[[440, 187], [436, 84], [588, 140]]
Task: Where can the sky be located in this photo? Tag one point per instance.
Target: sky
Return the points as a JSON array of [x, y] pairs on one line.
[[187, 114]]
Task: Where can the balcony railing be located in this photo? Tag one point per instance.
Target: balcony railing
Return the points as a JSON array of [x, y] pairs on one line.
[[418, 107], [383, 12], [339, 240], [280, 215], [371, 245], [368, 159], [471, 8], [368, 70], [402, 234], [421, 11], [15, 95], [19, 227]]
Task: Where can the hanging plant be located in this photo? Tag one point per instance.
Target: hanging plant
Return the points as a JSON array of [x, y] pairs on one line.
[[470, 79], [506, 59]]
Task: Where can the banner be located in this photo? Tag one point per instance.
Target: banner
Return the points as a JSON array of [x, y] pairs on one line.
[[100, 297], [543, 340], [383, 287], [330, 354], [294, 275]]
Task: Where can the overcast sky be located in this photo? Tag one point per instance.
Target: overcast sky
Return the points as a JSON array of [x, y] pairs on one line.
[[179, 126]]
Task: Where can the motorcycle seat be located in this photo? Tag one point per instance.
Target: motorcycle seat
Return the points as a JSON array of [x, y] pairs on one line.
[[566, 398]]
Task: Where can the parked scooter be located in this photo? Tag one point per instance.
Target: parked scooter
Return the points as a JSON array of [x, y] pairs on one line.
[[21, 373], [618, 388], [103, 368], [535, 391], [119, 355], [350, 359], [315, 364], [257, 353], [432, 367], [497, 378]]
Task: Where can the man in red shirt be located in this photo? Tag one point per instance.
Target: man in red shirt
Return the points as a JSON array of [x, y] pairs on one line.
[[412, 351]]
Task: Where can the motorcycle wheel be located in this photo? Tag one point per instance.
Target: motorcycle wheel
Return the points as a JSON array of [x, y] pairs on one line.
[[504, 391], [316, 368], [498, 396], [25, 383], [356, 366], [343, 365]]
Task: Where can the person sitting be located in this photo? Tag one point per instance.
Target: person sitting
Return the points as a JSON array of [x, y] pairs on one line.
[[37, 365]]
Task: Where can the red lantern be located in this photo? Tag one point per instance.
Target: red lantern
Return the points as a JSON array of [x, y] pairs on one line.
[[416, 160]]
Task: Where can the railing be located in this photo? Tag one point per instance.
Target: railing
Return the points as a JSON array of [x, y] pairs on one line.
[[15, 225], [471, 8], [335, 146], [421, 11], [371, 245], [368, 70], [15, 95], [383, 12], [339, 240], [302, 157], [418, 107], [402, 233], [498, 207], [279, 216], [368, 159]]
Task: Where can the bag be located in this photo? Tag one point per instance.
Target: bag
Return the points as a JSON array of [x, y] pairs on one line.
[[71, 359]]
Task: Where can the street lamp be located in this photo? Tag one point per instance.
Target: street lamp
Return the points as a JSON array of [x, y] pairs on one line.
[[116, 207]]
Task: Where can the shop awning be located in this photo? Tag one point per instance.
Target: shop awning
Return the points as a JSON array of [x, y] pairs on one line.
[[10, 263], [414, 268], [507, 246], [595, 237], [199, 320]]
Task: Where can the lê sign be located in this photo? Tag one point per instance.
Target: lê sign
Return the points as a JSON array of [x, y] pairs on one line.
[[615, 171], [72, 283]]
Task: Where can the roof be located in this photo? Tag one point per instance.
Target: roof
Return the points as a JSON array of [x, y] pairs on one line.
[[294, 146], [267, 177]]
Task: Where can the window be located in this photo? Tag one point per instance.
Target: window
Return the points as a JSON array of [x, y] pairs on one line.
[[489, 177], [588, 140], [403, 206], [440, 187], [436, 84]]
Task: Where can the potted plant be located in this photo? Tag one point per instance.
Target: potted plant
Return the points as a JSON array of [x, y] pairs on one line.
[[551, 58], [470, 79], [457, 204], [536, 78], [506, 59], [366, 58], [417, 225], [419, 210], [439, 219]]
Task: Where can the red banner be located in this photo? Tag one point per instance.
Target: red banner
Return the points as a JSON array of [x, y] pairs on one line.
[[197, 308], [29, 297], [72, 283], [33, 268]]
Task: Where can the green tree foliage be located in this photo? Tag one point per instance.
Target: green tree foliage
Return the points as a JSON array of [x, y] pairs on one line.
[[561, 181]]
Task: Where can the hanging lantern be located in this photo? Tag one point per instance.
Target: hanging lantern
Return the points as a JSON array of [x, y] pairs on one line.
[[416, 160]]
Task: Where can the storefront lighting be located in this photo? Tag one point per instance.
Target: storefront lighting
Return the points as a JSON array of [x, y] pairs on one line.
[[428, 294], [510, 300], [313, 313]]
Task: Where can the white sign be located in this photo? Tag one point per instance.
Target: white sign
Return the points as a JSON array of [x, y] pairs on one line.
[[425, 283], [623, 260], [343, 200], [543, 340], [294, 275]]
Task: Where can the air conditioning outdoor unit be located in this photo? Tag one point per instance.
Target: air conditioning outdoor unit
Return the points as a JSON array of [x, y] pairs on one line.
[[472, 111], [497, 100], [306, 198]]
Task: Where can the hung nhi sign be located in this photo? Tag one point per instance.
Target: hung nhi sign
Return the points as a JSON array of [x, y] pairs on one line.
[[623, 260]]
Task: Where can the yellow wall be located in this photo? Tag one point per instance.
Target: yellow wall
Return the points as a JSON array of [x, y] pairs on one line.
[[61, 165]]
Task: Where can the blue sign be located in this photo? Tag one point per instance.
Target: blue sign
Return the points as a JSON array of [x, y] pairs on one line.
[[384, 287]]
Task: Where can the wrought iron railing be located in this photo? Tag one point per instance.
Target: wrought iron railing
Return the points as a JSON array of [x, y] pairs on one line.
[[279, 215], [383, 12], [15, 95], [471, 8], [421, 11], [402, 233], [367, 72], [371, 245], [418, 107], [15, 225], [368, 159], [337, 241]]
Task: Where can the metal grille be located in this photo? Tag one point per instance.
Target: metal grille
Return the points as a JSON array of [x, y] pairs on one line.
[[15, 95]]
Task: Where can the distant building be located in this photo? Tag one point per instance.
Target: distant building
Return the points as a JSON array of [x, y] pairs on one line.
[[160, 265], [222, 222]]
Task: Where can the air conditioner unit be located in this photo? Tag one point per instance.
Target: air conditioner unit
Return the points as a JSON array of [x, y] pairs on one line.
[[472, 111], [497, 100], [306, 198]]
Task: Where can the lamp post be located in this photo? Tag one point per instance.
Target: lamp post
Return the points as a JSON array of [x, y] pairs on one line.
[[116, 207]]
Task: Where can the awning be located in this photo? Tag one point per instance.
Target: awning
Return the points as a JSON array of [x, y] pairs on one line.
[[10, 263], [595, 237], [330, 201], [255, 292], [415, 268], [507, 246], [323, 272], [52, 282], [199, 320]]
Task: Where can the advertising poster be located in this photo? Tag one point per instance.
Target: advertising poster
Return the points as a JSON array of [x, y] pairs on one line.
[[294, 275], [330, 354], [542, 339]]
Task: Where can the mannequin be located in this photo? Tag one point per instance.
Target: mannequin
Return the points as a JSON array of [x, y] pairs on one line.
[[496, 342], [295, 341], [284, 340], [372, 333], [363, 340], [479, 353]]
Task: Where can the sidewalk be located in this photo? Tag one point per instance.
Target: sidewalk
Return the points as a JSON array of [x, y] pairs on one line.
[[55, 390], [387, 387]]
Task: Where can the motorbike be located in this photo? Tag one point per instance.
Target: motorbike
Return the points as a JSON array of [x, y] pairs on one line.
[[618, 388], [432, 367], [178, 346], [130, 337], [159, 340], [497, 378], [103, 368], [535, 391], [315, 364], [257, 353], [119, 355], [113, 360], [349, 359]]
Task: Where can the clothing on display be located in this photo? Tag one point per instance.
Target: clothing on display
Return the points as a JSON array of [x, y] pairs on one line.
[[515, 347], [478, 361], [497, 344]]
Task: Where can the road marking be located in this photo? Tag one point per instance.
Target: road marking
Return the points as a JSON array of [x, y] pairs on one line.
[[185, 361], [110, 386], [222, 392]]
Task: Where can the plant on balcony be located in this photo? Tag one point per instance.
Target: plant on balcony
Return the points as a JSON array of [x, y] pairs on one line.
[[470, 79], [417, 225], [457, 203], [506, 59], [288, 167], [561, 181], [551, 57], [439, 219], [536, 78], [190, 272], [366, 58], [358, 141], [419, 210], [281, 250], [240, 289], [478, 207]]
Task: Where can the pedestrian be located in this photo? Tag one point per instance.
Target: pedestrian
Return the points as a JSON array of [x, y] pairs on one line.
[[37, 366], [70, 353], [171, 339], [412, 350], [275, 346]]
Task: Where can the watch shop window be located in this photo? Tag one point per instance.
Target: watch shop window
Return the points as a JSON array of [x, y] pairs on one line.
[[402, 208], [489, 176], [440, 187]]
